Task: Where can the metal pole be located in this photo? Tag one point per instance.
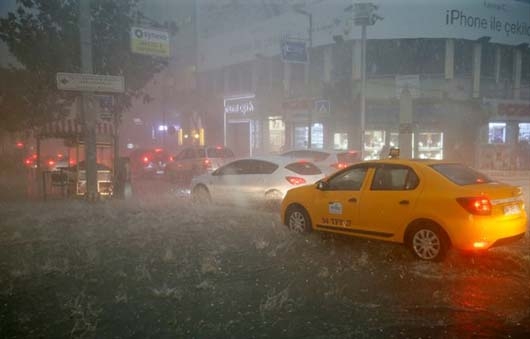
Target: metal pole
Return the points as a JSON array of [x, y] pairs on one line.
[[363, 88], [87, 112], [310, 113]]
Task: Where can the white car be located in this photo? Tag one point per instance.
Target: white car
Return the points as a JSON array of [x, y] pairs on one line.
[[255, 180], [329, 161]]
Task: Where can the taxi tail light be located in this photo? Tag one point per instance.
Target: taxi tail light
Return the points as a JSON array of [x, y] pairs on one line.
[[295, 180], [476, 205]]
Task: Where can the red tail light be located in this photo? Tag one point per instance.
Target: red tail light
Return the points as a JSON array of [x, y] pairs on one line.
[[207, 164], [295, 180], [476, 205], [340, 165], [51, 163], [145, 159]]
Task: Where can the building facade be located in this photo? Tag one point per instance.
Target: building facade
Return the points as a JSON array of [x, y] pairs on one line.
[[453, 85]]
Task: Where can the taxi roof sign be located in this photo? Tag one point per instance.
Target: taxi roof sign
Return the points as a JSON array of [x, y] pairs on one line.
[[393, 153]]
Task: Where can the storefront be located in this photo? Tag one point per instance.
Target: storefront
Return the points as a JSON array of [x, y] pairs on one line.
[[65, 137]]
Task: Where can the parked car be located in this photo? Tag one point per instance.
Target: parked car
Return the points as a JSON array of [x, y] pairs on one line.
[[328, 160], [49, 162], [261, 180], [428, 205], [195, 160], [148, 162]]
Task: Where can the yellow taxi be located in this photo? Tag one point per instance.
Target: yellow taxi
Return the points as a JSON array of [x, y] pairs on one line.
[[428, 205]]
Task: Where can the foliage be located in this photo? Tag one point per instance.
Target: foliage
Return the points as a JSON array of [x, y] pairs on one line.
[[43, 35]]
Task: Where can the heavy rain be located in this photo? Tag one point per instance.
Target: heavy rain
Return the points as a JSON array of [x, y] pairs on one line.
[[150, 150]]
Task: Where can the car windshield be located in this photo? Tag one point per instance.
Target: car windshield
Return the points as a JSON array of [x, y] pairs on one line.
[[461, 175], [219, 152], [348, 157]]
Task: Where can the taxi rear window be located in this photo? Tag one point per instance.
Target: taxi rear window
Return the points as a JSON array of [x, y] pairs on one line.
[[461, 174]]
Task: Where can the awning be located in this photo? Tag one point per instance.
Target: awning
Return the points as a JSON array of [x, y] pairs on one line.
[[68, 128]]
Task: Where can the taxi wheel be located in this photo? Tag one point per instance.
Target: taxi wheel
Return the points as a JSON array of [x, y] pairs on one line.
[[200, 195], [428, 242], [298, 220]]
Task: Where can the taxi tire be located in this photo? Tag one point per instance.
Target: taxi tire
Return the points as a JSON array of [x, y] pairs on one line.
[[298, 214], [428, 241], [200, 195]]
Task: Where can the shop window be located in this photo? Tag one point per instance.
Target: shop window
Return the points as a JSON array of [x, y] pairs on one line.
[[340, 141], [524, 132], [463, 57], [373, 143], [317, 136], [506, 71], [488, 60], [430, 145], [497, 133]]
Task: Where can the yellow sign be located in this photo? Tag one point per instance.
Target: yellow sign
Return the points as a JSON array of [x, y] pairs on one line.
[[150, 42]]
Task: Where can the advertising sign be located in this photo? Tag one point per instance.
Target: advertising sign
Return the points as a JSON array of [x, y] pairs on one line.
[[150, 42]]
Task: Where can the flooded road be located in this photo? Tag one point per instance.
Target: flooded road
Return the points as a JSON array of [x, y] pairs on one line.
[[157, 266]]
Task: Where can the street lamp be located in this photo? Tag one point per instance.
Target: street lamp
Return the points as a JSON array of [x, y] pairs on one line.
[[364, 16], [309, 15]]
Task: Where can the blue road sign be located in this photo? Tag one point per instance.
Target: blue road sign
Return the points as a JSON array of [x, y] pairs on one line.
[[294, 51], [322, 106]]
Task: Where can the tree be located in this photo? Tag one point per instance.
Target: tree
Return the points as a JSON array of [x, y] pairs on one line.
[[43, 35]]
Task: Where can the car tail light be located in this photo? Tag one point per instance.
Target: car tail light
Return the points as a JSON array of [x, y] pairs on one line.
[[51, 163], [295, 180], [339, 165], [207, 164], [476, 205], [145, 159]]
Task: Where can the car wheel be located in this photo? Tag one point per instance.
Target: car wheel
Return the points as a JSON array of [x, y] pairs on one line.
[[200, 195], [273, 200], [428, 242], [298, 220]]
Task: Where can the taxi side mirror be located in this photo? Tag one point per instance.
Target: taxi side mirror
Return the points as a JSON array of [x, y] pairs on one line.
[[322, 185]]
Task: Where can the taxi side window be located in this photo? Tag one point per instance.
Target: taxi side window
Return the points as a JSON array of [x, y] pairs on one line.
[[394, 179], [351, 180]]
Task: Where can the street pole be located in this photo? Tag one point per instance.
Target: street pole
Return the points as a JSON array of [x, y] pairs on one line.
[[310, 122], [363, 89], [309, 15], [87, 112], [363, 16]]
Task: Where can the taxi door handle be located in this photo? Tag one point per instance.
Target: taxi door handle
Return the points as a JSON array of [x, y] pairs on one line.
[[404, 202], [352, 200]]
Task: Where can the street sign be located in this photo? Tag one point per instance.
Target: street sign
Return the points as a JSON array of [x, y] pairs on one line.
[[294, 51], [150, 42], [322, 106], [90, 82]]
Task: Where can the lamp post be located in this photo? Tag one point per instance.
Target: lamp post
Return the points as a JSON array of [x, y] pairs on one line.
[[364, 16], [306, 76]]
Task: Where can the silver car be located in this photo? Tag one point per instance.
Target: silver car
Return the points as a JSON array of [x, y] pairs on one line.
[[329, 161], [255, 180]]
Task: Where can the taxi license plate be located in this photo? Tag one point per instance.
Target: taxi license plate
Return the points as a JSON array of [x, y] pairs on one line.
[[512, 209]]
